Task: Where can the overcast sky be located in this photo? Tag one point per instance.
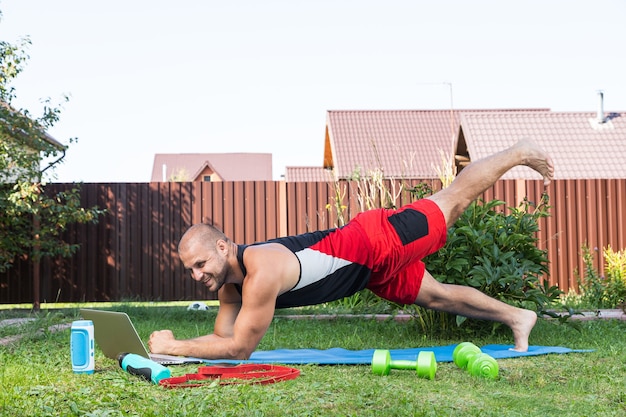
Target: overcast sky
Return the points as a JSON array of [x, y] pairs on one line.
[[192, 76]]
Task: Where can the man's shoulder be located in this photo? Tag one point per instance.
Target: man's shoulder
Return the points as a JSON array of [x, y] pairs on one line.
[[265, 248], [270, 267]]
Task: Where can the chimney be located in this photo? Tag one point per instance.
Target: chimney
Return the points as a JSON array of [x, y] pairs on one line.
[[600, 117], [164, 173]]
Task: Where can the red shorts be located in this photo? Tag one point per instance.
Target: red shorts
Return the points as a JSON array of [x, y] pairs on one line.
[[400, 239]]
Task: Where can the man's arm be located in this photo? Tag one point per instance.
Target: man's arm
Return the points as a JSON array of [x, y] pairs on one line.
[[238, 331], [242, 320], [211, 346], [230, 305]]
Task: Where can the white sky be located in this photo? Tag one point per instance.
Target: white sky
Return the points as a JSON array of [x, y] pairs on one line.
[[190, 76]]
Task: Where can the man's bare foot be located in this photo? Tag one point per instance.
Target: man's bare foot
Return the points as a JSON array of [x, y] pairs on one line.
[[522, 328], [536, 158]]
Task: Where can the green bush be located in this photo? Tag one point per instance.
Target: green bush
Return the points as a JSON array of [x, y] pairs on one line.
[[598, 291], [615, 268]]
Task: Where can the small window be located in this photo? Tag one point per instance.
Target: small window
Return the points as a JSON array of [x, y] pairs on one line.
[[206, 178]]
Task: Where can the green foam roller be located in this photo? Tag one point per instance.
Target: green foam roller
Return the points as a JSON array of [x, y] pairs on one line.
[[484, 365], [463, 352]]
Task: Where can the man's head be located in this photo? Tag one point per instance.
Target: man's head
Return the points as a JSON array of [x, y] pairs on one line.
[[204, 251]]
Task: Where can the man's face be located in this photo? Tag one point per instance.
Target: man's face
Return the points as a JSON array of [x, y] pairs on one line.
[[206, 265]]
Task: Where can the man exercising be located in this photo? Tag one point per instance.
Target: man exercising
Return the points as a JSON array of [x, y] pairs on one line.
[[379, 249]]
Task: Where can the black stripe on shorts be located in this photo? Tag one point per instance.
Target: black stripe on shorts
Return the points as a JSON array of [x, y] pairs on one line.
[[410, 225]]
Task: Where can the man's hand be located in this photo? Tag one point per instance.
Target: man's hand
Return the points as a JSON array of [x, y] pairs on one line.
[[161, 341]]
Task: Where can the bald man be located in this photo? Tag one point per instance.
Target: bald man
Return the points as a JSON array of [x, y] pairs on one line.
[[380, 249]]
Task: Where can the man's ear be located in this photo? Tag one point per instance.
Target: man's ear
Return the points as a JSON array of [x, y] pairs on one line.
[[222, 246]]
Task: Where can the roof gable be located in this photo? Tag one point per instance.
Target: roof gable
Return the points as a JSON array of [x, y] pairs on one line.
[[227, 166]]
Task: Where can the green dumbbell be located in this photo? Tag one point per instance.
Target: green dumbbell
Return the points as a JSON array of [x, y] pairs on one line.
[[469, 356], [463, 352], [425, 366], [483, 365]]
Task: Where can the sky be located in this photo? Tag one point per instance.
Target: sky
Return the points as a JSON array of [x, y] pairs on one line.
[[190, 76]]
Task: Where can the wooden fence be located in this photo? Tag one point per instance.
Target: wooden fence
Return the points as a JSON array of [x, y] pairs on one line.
[[131, 252]]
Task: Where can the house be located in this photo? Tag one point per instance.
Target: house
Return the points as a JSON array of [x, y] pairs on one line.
[[416, 144], [23, 144], [308, 174], [399, 143], [212, 167]]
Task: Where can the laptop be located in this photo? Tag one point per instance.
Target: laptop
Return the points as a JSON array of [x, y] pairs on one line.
[[115, 334]]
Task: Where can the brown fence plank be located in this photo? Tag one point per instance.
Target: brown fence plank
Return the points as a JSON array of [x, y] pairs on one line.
[[570, 241], [249, 218], [620, 206], [228, 216]]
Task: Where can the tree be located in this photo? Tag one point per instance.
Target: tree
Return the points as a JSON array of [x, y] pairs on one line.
[[31, 220]]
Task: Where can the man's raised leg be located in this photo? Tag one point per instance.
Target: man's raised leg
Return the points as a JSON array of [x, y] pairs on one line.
[[478, 176], [471, 182], [469, 302]]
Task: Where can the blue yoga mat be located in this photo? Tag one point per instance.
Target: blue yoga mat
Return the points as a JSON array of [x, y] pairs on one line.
[[339, 356]]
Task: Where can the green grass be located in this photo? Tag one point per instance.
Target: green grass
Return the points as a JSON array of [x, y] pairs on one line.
[[36, 377]]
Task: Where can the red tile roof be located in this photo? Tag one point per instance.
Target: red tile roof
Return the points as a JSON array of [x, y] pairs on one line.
[[308, 174], [401, 143], [581, 147], [228, 166]]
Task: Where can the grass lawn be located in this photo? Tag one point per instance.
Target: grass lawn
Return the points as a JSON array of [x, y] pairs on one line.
[[36, 378]]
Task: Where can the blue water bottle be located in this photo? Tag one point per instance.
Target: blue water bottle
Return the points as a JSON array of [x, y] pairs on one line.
[[138, 365], [82, 347]]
